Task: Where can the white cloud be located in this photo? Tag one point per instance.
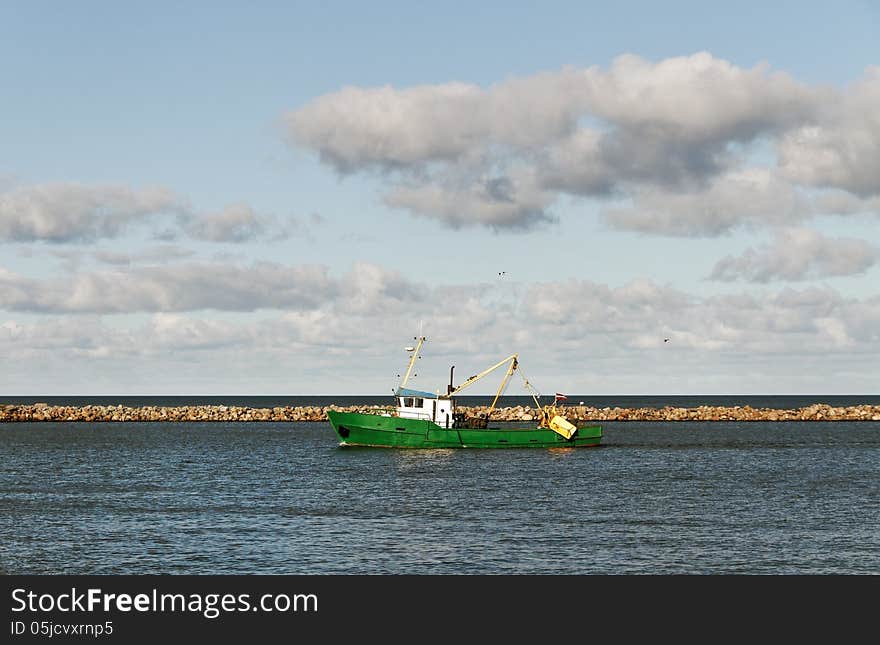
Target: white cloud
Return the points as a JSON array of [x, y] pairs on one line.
[[181, 287], [620, 322], [601, 308], [753, 196], [370, 288], [159, 254], [69, 212], [80, 213], [675, 137], [698, 97], [384, 127], [512, 202], [842, 149], [799, 254], [237, 223], [175, 332], [219, 286], [577, 335]]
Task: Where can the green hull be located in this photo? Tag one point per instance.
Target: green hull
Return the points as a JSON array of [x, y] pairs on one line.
[[376, 430]]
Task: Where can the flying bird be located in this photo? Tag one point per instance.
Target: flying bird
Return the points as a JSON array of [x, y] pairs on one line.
[[665, 340]]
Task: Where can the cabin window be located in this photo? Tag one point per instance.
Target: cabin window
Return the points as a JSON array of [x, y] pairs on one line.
[[408, 402], [417, 402]]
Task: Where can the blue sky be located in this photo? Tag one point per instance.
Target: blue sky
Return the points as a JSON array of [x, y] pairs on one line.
[[167, 170]]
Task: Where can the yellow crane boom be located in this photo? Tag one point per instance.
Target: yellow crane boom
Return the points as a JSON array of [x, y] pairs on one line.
[[512, 359], [504, 381]]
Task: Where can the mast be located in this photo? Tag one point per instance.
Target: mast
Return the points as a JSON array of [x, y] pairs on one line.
[[412, 360]]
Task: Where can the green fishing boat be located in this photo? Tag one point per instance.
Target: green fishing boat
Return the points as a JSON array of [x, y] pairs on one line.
[[430, 420]]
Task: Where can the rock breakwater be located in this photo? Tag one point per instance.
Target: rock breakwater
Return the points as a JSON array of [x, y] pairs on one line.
[[206, 413]]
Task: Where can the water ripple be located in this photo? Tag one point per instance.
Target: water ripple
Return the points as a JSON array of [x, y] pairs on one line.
[[282, 498]]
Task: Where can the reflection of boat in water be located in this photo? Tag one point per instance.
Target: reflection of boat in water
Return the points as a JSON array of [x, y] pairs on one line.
[[425, 420]]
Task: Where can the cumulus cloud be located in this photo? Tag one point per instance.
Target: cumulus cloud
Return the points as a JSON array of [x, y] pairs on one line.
[[753, 196], [668, 124], [698, 98], [389, 129], [68, 212], [643, 314], [602, 308], [371, 288], [675, 140], [238, 223], [160, 254], [171, 331], [512, 202], [181, 287], [79, 213], [842, 149], [577, 335], [201, 286], [73, 259], [798, 254], [747, 198]]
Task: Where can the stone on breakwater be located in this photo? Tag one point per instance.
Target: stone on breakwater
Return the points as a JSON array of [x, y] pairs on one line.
[[100, 413]]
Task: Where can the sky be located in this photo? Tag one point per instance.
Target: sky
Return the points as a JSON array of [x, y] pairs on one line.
[[275, 198]]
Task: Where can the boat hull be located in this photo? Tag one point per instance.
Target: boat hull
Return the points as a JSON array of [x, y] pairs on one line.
[[380, 431]]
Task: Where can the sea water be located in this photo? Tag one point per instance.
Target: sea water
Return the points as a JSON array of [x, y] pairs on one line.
[[283, 498]]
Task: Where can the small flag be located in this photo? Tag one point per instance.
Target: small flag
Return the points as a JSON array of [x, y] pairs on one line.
[[560, 397]]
